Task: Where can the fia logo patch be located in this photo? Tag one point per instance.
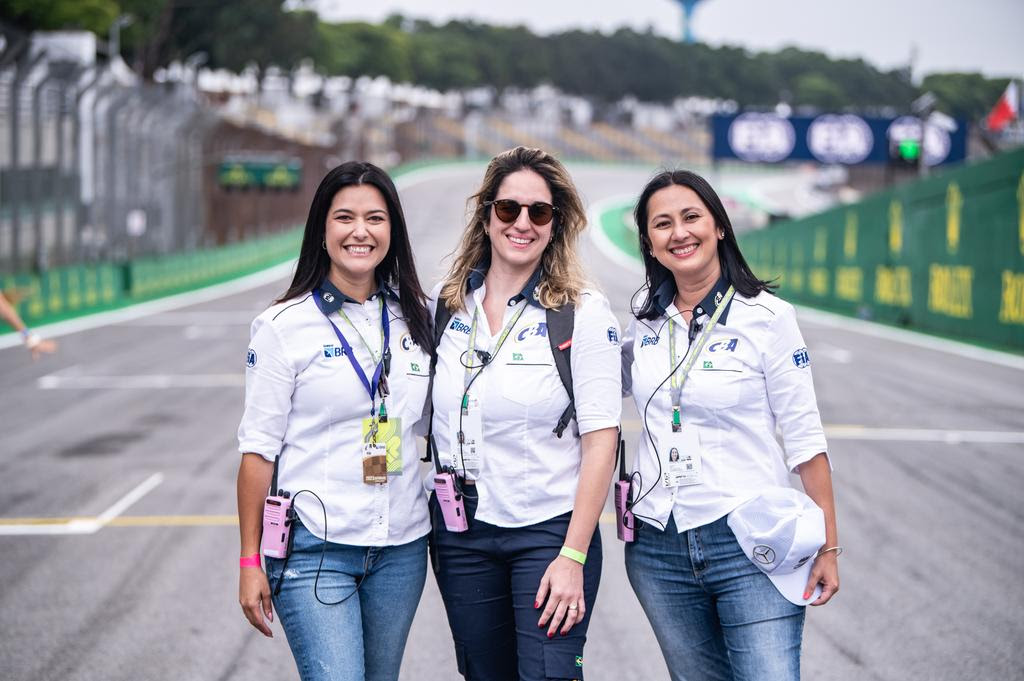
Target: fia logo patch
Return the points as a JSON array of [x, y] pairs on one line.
[[539, 329], [460, 326], [250, 358], [613, 335], [649, 340], [801, 358], [333, 351]]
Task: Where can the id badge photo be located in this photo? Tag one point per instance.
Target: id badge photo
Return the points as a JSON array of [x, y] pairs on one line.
[[680, 457]]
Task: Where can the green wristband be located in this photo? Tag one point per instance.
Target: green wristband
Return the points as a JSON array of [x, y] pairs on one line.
[[573, 554]]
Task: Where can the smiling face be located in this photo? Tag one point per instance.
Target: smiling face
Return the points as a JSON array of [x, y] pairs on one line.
[[357, 235], [519, 245], [683, 236]]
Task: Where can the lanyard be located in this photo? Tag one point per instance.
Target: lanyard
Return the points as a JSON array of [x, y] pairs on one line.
[[372, 387], [678, 379], [471, 349]]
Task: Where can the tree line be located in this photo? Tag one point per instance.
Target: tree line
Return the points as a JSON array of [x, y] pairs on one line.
[[468, 54]]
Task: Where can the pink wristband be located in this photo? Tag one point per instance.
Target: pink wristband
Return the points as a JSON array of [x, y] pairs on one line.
[[249, 561]]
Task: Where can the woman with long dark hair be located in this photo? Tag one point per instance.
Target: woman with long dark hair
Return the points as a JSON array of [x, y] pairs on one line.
[[727, 553], [337, 377]]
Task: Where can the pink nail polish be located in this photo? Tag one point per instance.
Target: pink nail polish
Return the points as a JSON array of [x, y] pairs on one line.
[[536, 604], [550, 635]]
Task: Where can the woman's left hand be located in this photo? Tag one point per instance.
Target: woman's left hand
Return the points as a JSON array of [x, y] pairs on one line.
[[826, 572], [562, 587]]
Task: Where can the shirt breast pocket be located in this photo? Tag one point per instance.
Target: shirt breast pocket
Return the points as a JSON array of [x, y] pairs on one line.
[[528, 384], [718, 386]]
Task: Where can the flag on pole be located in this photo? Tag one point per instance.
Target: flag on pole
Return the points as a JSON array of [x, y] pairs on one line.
[[1006, 109]]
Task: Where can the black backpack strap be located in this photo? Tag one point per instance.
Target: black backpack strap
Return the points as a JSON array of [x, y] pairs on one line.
[[560, 324], [441, 318]]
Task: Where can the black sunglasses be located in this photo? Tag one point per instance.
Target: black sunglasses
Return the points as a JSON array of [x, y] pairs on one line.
[[508, 210]]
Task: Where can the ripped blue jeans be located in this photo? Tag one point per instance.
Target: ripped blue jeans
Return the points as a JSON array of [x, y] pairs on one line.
[[363, 637]]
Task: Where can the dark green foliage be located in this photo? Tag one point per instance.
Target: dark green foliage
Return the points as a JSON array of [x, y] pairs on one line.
[[464, 54]]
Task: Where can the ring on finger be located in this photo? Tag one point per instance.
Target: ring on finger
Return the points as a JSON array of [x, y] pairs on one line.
[[574, 606]]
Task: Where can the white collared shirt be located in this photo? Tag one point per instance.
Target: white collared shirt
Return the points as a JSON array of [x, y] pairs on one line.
[[527, 474], [752, 377], [304, 401]]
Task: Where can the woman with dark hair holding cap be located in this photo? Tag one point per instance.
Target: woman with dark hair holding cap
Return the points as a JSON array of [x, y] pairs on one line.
[[337, 379], [519, 582], [728, 553]]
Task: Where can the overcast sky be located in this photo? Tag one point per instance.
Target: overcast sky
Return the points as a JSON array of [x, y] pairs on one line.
[[949, 35]]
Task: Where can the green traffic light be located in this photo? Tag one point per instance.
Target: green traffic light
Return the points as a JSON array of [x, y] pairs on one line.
[[910, 150]]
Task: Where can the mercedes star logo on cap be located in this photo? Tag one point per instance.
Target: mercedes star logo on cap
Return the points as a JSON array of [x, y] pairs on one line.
[[764, 554]]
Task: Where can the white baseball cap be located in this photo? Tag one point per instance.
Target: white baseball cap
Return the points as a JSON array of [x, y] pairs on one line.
[[781, 531]]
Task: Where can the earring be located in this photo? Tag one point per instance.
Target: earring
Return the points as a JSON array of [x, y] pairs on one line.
[[323, 244]]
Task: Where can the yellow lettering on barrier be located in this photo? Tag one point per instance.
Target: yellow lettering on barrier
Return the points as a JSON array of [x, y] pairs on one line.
[[954, 206], [850, 236], [1011, 311], [56, 301], [892, 286], [849, 283], [949, 290], [895, 227], [36, 308], [820, 244], [819, 281], [796, 279], [1020, 212]]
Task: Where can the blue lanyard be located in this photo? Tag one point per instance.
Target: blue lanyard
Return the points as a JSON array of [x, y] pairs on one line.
[[385, 322]]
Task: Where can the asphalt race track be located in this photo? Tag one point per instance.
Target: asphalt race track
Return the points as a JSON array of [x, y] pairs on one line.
[[118, 464]]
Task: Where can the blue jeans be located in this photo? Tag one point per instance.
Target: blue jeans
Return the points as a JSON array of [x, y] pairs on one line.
[[716, 615], [488, 577], [363, 637]]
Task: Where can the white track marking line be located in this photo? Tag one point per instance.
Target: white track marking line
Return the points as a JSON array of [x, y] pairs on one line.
[[89, 525], [151, 307], [206, 294], [867, 433], [952, 437], [603, 241], [832, 352], [143, 381], [917, 338]]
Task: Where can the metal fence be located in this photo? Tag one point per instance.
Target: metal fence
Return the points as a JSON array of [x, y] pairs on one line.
[[95, 166]]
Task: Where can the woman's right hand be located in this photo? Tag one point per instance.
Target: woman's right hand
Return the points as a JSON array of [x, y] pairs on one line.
[[254, 597]]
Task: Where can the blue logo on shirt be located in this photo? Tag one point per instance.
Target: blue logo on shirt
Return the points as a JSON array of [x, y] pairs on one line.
[[250, 358], [613, 335], [801, 358], [459, 325], [333, 351], [649, 340], [724, 345], [538, 329]]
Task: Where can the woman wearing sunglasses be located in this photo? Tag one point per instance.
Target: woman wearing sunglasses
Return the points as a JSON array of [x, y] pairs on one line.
[[519, 584], [337, 378]]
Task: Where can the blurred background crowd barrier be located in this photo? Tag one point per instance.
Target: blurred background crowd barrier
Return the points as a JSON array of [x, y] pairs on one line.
[[196, 164]]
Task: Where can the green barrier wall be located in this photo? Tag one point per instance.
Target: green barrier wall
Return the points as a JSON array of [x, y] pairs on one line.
[[943, 255], [72, 291]]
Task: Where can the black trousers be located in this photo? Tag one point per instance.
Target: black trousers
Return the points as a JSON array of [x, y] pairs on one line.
[[488, 577]]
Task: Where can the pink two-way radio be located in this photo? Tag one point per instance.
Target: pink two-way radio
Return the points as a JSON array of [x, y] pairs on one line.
[[625, 522], [453, 507], [277, 525]]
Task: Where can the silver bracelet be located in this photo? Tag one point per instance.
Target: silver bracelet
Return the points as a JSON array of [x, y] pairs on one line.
[[837, 549]]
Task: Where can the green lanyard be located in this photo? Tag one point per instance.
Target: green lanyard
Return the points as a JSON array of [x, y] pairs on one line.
[[375, 355], [679, 379], [471, 348]]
